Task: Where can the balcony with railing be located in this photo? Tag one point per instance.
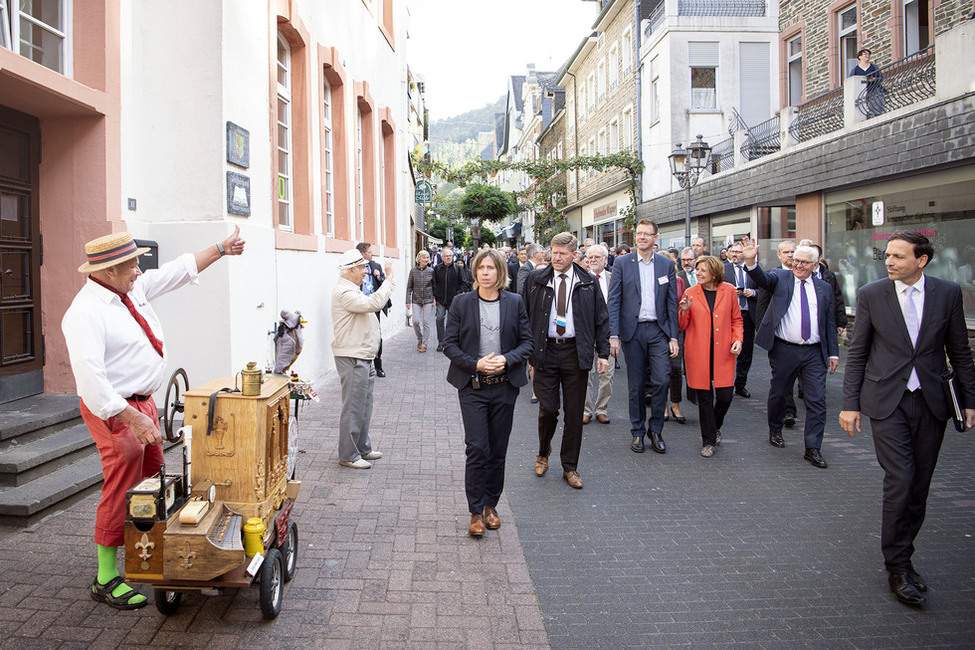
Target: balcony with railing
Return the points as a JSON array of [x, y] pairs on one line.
[[735, 8], [899, 84], [656, 19], [819, 116], [722, 156], [762, 139]]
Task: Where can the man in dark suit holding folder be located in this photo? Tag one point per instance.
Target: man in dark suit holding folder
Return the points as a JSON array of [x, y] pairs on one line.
[[895, 370]]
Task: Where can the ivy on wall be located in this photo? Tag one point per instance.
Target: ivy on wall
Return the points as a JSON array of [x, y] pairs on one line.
[[546, 194]]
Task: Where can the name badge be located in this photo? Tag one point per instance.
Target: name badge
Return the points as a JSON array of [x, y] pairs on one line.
[[560, 320], [663, 280]]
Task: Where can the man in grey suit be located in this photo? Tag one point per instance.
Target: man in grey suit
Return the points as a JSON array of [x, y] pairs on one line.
[[536, 256], [600, 384], [643, 316], [799, 332], [905, 326]]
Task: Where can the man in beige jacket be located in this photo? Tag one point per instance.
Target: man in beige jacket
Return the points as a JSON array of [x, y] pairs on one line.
[[355, 343]]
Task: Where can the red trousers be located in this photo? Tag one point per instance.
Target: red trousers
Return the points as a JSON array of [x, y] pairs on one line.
[[125, 462]]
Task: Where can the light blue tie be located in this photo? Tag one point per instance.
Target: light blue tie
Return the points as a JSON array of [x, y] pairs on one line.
[[910, 315], [913, 327]]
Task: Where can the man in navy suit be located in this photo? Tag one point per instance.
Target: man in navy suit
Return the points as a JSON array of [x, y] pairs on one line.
[[643, 316], [799, 331], [736, 273], [905, 326]]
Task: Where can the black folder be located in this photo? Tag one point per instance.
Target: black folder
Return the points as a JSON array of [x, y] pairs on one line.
[[955, 402]]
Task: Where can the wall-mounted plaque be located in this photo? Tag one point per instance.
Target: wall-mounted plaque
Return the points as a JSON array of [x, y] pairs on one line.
[[238, 194], [238, 145]]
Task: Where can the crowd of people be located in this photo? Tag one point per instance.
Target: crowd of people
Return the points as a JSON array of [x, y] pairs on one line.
[[684, 320]]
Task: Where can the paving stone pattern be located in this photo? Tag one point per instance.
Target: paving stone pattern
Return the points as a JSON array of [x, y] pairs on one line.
[[753, 547]]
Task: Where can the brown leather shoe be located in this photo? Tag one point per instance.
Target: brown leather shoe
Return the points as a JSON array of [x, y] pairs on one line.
[[477, 526], [573, 479], [422, 348], [602, 418], [541, 465], [586, 419], [491, 519]]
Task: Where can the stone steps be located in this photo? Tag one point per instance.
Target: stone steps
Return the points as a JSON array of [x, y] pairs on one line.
[[47, 457]]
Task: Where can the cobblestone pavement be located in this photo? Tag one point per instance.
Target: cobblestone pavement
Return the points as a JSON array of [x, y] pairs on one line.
[[753, 547]]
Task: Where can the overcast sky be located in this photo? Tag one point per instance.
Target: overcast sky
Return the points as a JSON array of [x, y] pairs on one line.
[[466, 49]]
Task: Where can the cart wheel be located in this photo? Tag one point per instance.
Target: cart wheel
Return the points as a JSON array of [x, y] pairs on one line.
[[173, 407], [167, 602], [289, 552], [271, 584]]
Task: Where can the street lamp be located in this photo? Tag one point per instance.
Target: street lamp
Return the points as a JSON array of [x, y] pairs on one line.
[[686, 166]]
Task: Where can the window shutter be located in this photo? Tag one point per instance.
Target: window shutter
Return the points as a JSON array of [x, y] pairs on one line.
[[702, 55], [753, 70]]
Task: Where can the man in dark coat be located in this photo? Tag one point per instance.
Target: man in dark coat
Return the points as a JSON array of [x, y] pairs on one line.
[[448, 280], [371, 282], [906, 325], [736, 273], [799, 331], [569, 323]]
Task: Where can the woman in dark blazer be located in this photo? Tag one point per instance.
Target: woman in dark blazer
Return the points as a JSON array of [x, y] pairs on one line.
[[711, 321], [488, 340]]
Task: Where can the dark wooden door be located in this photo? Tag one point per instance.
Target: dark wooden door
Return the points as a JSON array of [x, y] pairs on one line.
[[21, 346]]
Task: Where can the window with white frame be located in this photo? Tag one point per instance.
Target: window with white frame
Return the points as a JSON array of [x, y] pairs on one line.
[[327, 162], [613, 136], [360, 220], [703, 61], [382, 186], [285, 210], [654, 90], [613, 67], [627, 48], [628, 128], [558, 151], [916, 24], [40, 30], [794, 57], [847, 27], [601, 80], [601, 137], [591, 93]]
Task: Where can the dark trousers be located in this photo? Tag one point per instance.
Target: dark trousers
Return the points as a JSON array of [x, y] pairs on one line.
[[378, 361], [676, 373], [744, 362], [557, 373], [712, 406], [441, 315], [648, 349], [788, 362], [487, 413], [907, 445]]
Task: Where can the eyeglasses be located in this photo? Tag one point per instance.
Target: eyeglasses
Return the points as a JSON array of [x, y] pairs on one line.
[[802, 263]]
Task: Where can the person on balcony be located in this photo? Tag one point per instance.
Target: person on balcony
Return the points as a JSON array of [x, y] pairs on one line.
[[875, 91]]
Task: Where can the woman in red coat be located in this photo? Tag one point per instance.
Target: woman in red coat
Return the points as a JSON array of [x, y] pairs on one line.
[[713, 331]]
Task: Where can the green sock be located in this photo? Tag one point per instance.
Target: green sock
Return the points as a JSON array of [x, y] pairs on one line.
[[108, 570]]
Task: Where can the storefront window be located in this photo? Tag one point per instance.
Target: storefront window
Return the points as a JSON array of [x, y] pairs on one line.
[[945, 213], [775, 224]]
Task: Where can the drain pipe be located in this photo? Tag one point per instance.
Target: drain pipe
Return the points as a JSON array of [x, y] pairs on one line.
[[638, 67]]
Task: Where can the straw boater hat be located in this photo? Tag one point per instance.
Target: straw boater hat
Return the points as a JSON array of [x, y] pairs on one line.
[[110, 250], [351, 259]]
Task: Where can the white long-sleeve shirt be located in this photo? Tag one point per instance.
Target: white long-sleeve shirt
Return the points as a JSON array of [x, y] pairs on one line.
[[111, 357]]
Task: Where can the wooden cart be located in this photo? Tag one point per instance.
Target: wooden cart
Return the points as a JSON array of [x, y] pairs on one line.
[[239, 467]]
